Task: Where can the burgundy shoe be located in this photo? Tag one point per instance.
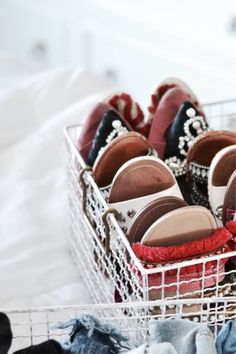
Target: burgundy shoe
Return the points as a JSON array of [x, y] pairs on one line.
[[165, 103], [90, 127], [130, 111]]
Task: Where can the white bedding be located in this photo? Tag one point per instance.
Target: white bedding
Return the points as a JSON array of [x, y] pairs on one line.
[[36, 268]]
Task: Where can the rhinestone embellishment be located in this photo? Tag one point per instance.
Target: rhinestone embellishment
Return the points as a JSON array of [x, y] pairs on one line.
[[118, 130], [199, 172], [197, 197], [177, 166], [193, 127], [199, 126]]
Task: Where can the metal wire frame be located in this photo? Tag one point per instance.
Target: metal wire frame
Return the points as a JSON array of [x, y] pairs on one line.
[[103, 253], [35, 325]]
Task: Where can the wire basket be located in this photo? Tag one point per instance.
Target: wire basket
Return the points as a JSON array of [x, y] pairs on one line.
[[33, 326], [104, 256]]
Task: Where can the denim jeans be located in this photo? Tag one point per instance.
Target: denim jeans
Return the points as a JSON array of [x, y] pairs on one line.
[[89, 336], [226, 340], [186, 337]]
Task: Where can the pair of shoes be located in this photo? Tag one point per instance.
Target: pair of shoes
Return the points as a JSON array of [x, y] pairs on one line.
[[222, 184], [173, 109], [166, 232], [211, 161], [175, 116], [109, 117], [115, 154]]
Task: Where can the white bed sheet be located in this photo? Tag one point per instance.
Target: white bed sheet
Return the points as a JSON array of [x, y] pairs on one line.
[[36, 268]]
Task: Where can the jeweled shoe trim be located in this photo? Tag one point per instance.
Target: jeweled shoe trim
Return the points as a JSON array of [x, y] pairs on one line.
[[196, 124], [199, 172], [177, 166], [197, 197]]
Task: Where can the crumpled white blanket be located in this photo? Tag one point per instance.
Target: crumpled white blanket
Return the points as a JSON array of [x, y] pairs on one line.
[[36, 268]]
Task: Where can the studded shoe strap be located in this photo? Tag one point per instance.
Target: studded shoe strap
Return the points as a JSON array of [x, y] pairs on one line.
[[198, 197], [193, 127], [199, 172], [105, 191]]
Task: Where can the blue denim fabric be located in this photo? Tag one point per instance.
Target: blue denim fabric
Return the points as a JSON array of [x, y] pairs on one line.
[[186, 337], [226, 340], [89, 336]]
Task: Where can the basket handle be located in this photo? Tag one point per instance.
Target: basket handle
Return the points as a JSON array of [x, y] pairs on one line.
[[84, 188], [106, 244], [107, 227]]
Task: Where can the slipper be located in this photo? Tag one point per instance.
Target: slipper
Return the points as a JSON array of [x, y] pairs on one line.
[[187, 125], [221, 169], [90, 127], [130, 111], [123, 105], [166, 85], [165, 103], [188, 278], [115, 154], [229, 204], [180, 226], [150, 213], [137, 183], [199, 158], [111, 126]]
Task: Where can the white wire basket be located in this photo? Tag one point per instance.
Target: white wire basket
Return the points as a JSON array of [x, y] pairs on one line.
[[34, 326], [110, 268], [104, 256]]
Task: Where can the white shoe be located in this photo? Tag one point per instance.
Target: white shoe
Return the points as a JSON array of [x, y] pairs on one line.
[[137, 183], [221, 169]]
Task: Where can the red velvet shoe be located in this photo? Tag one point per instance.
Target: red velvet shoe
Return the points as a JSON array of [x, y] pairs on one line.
[[188, 278], [165, 103]]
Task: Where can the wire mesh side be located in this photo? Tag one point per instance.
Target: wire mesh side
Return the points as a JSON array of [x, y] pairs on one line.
[[108, 276], [221, 115], [33, 326], [118, 275]]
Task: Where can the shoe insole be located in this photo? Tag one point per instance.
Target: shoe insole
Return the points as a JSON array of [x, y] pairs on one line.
[[140, 177], [152, 212], [116, 153]]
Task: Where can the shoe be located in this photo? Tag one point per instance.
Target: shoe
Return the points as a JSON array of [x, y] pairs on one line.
[[180, 226], [165, 103], [220, 171], [229, 204], [111, 126], [115, 154], [163, 118], [130, 111], [187, 278], [166, 85], [187, 125], [199, 158], [150, 213], [138, 182], [90, 127]]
